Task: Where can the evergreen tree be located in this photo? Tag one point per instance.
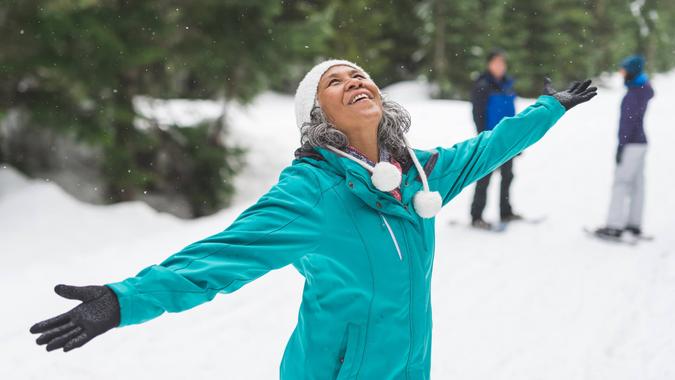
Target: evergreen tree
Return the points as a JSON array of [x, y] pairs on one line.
[[76, 66]]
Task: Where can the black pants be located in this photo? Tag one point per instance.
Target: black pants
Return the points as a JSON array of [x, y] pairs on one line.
[[480, 196]]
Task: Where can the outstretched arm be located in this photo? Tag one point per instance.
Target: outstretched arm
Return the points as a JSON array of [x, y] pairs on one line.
[[468, 161], [279, 229]]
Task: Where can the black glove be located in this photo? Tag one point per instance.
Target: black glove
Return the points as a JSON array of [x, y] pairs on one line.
[[619, 153], [577, 93], [98, 313]]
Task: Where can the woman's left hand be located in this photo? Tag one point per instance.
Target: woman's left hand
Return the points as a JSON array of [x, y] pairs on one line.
[[576, 93]]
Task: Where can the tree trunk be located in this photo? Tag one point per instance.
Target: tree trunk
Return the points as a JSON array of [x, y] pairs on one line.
[[440, 60]]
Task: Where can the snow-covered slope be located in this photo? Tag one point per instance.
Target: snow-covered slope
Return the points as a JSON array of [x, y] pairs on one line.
[[538, 302]]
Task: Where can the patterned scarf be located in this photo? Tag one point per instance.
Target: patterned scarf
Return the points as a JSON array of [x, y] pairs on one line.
[[384, 156]]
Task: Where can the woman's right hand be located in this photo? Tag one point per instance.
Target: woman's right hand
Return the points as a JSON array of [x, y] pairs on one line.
[[98, 313]]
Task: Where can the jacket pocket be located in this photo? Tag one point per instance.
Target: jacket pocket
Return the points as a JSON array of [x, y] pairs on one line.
[[351, 355]]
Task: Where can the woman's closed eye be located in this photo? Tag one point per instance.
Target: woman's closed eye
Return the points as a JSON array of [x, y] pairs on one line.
[[336, 81]]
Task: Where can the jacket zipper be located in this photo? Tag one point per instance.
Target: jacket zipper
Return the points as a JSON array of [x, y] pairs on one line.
[[393, 237]]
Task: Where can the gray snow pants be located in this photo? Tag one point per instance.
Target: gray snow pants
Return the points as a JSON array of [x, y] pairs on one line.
[[628, 191]]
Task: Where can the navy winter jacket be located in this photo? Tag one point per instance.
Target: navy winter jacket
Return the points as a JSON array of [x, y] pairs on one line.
[[492, 101], [633, 108]]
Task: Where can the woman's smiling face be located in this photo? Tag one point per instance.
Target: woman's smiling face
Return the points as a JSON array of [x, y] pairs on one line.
[[349, 99]]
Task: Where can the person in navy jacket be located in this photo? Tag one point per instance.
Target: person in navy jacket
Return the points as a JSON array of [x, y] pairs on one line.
[[625, 210], [493, 98]]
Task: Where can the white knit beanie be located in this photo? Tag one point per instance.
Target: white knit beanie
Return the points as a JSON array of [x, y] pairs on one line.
[[305, 95]]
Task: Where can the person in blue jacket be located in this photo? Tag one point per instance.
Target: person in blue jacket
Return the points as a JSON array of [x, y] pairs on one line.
[[625, 208], [493, 98], [354, 214]]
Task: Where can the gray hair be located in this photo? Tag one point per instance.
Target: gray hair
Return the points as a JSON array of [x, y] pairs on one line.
[[319, 132]]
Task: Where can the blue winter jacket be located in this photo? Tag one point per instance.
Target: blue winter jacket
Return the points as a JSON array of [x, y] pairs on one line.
[[366, 258], [492, 100]]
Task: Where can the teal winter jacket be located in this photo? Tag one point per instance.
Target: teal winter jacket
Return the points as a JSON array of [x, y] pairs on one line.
[[366, 257]]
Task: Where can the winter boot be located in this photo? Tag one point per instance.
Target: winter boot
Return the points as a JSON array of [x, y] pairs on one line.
[[512, 217], [608, 233], [636, 231], [481, 224]]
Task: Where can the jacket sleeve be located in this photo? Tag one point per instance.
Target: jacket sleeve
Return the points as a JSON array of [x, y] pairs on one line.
[[479, 100], [468, 161], [279, 229]]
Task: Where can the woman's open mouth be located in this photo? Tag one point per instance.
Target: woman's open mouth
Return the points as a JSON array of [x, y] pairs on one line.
[[359, 97]]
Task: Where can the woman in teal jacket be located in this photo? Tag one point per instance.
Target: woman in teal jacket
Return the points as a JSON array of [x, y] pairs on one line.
[[354, 214]]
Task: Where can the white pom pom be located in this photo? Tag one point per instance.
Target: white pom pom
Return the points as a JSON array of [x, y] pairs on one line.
[[386, 176], [427, 203]]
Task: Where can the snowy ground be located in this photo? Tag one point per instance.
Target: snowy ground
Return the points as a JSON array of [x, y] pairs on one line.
[[539, 302]]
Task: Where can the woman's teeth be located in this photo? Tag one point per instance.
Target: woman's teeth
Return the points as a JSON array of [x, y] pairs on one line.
[[358, 97]]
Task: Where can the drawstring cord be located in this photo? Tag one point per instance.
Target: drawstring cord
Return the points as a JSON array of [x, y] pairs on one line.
[[418, 166], [386, 177], [349, 156]]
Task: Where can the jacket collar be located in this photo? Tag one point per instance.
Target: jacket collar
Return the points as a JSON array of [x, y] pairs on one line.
[[308, 152], [637, 81], [357, 179]]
